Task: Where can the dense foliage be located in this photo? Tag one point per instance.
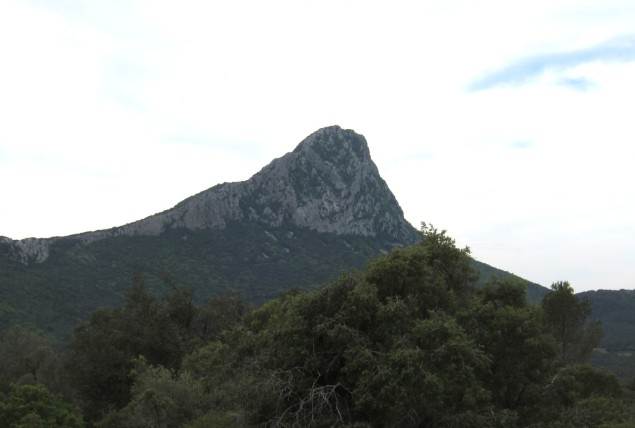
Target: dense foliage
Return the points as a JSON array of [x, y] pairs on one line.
[[408, 342], [615, 309], [33, 406], [261, 262]]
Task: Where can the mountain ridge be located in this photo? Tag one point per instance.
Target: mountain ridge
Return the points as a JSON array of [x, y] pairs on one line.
[[299, 222], [302, 220], [328, 183]]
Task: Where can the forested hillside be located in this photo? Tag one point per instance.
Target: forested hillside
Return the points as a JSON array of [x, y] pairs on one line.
[[616, 309], [257, 262], [407, 342], [299, 222]]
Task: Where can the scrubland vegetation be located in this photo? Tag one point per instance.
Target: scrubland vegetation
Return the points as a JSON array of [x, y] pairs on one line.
[[410, 341]]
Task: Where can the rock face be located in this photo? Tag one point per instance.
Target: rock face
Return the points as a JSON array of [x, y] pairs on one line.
[[328, 184], [28, 250]]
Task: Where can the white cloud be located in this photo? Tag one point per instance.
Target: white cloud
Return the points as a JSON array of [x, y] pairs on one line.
[[616, 50]]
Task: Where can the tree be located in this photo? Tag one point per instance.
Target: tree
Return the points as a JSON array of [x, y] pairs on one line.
[[512, 334], [581, 381], [430, 376], [566, 320], [26, 357], [408, 342], [34, 406], [102, 351], [581, 395], [219, 314], [435, 273], [380, 348], [160, 398]]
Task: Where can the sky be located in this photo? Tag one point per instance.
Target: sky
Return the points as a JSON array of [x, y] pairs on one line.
[[509, 124]]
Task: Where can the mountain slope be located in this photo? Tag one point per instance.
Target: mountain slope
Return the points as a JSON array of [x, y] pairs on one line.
[[328, 184], [616, 310], [303, 219]]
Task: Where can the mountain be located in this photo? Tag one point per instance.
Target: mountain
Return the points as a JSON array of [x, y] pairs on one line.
[[616, 310], [328, 184], [299, 222]]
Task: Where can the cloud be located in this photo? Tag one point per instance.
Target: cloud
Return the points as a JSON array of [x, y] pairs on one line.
[[521, 144], [617, 50], [201, 138], [580, 84], [421, 155]]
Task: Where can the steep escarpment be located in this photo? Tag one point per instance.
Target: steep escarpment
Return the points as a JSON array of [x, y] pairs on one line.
[[301, 221], [328, 184]]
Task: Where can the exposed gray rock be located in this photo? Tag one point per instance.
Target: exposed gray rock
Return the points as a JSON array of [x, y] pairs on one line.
[[30, 250], [329, 183]]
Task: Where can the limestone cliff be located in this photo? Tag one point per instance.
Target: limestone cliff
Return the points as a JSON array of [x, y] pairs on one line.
[[329, 183]]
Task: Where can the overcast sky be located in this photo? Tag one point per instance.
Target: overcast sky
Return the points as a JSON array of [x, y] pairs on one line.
[[508, 123]]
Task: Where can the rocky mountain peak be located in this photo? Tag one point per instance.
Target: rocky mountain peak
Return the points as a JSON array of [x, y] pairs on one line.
[[336, 145], [329, 183]]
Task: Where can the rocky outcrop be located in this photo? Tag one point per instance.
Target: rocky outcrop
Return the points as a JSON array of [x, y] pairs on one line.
[[29, 250], [329, 183]]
